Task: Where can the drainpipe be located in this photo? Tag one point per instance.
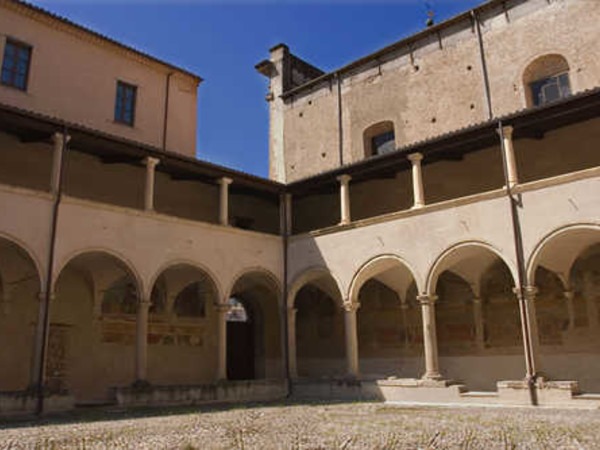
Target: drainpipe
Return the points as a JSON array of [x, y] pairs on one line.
[[48, 293], [165, 121], [486, 80], [340, 124], [522, 275]]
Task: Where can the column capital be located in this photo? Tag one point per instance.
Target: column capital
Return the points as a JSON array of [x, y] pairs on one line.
[[151, 161], [222, 308], [291, 310], [477, 300], [569, 295], [415, 157], [59, 136], [42, 296], [344, 179], [427, 299], [225, 181], [144, 303], [507, 130], [350, 306]]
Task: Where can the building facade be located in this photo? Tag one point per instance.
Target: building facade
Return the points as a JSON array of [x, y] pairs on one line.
[[430, 232]]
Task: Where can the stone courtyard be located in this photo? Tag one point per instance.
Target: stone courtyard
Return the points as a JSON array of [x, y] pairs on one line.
[[310, 426]]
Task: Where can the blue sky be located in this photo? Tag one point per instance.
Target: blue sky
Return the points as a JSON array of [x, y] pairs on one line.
[[222, 41]]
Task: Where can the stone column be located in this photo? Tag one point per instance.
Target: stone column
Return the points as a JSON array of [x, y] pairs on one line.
[[345, 216], [417, 179], [529, 294], [224, 183], [478, 319], [141, 341], [432, 371], [591, 303], [40, 341], [351, 334], [222, 309], [288, 214], [403, 309], [569, 295], [292, 355], [151, 164], [60, 140], [509, 156]]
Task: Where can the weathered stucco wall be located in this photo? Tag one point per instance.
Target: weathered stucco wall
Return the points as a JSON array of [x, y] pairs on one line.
[[440, 88], [87, 75]]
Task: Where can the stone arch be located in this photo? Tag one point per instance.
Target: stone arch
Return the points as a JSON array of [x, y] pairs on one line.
[[183, 325], [467, 249], [271, 280], [213, 279], [310, 275], [541, 67], [21, 283], [255, 337], [563, 245], [30, 254], [95, 346], [131, 269], [378, 265], [389, 322], [315, 301]]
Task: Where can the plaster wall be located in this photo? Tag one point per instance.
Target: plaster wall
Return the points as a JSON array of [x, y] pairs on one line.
[[87, 61], [440, 89]]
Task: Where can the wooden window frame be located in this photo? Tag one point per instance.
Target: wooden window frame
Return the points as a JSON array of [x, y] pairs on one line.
[[19, 45], [120, 114]]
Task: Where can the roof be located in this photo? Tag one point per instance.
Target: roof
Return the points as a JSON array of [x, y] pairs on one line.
[[64, 20], [403, 43]]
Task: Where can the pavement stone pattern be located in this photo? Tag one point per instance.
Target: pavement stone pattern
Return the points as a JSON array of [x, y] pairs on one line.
[[308, 426]]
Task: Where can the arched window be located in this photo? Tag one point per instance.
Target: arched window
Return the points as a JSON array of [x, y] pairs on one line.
[[191, 301], [546, 80], [379, 138]]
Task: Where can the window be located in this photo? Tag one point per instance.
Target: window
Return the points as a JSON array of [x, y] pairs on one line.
[[550, 89], [383, 143], [125, 103], [379, 139], [546, 80], [15, 65]]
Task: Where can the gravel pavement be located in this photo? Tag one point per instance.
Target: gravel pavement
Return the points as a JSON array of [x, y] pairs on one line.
[[309, 426]]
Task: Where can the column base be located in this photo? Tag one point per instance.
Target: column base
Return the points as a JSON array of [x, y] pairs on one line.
[[435, 376]]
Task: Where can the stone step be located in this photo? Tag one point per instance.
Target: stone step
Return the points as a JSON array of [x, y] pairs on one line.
[[586, 397], [477, 394]]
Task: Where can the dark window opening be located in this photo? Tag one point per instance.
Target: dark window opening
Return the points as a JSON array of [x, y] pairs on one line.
[[125, 103], [15, 65], [550, 89], [383, 143]]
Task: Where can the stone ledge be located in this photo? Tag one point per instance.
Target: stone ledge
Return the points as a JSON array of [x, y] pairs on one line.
[[417, 382], [221, 392], [25, 402]]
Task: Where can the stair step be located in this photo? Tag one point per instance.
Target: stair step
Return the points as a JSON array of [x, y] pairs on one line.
[[476, 394], [586, 397]]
